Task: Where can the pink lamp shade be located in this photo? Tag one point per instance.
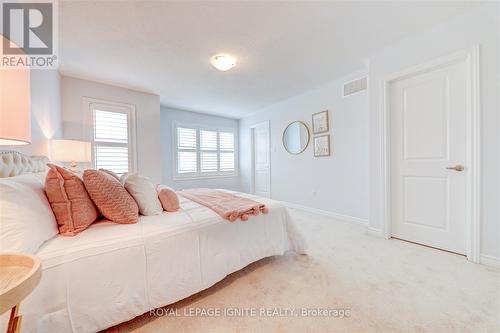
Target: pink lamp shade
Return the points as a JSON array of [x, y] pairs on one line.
[[70, 151], [15, 122]]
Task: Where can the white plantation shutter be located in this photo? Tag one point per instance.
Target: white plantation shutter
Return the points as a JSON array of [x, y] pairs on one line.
[[226, 161], [112, 158], [111, 126], [208, 161], [226, 143], [186, 138], [202, 152], [111, 141], [187, 162], [208, 140], [187, 155], [208, 151]]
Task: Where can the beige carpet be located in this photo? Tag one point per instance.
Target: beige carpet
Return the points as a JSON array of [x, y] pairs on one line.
[[388, 286]]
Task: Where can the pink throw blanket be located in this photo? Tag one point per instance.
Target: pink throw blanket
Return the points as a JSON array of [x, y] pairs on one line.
[[227, 205]]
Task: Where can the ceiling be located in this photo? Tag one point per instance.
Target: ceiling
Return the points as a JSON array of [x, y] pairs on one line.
[[283, 48]]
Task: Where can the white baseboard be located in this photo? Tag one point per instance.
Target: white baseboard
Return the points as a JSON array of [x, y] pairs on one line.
[[375, 232], [337, 216], [489, 260]]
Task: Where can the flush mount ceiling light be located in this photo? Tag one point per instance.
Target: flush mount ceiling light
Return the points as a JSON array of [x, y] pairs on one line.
[[223, 62]]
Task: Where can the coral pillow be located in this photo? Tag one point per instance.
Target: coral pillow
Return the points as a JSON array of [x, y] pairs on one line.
[[168, 198], [110, 197], [72, 207]]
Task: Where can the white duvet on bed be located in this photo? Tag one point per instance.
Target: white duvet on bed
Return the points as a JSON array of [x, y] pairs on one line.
[[111, 273]]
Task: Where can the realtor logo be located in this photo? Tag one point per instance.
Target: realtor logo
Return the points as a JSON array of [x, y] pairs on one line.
[[29, 31], [29, 25]]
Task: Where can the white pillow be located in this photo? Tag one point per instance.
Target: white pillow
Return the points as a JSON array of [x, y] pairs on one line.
[[144, 193], [124, 177], [26, 219]]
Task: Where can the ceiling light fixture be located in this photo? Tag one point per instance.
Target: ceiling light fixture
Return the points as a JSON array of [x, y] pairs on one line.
[[223, 62]]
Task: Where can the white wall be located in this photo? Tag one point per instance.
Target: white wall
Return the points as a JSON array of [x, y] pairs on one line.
[[147, 106], [169, 115], [478, 27], [338, 183], [45, 112]]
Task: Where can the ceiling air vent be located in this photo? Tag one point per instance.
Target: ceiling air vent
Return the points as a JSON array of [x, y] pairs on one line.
[[355, 86]]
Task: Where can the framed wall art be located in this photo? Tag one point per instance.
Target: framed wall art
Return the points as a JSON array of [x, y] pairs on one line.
[[322, 145], [320, 122]]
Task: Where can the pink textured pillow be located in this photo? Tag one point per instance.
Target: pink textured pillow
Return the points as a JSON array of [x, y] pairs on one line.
[[110, 197], [168, 198], [70, 202], [110, 172]]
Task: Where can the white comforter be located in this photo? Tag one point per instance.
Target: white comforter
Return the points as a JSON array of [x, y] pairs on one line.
[[112, 273]]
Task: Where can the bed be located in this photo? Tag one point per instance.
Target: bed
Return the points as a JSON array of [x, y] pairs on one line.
[[111, 273]]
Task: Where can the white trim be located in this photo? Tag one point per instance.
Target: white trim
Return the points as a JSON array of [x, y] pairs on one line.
[[252, 138], [471, 57], [474, 158], [488, 260], [375, 232], [88, 125], [337, 216]]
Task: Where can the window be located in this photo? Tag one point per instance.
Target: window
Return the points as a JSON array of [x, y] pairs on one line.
[[203, 152], [113, 138]]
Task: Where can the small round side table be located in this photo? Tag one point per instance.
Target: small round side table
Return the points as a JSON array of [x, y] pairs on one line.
[[19, 275]]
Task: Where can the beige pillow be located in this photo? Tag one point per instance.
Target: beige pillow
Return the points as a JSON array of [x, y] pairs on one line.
[[144, 193]]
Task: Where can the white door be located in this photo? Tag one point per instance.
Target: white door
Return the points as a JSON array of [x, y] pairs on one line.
[[428, 152], [262, 163]]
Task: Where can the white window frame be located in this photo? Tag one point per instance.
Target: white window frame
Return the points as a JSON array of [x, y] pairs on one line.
[[198, 174], [90, 104]]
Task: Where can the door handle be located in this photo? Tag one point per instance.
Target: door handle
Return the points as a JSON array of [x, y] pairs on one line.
[[457, 167]]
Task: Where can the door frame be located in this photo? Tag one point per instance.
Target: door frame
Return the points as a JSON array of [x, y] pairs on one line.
[[266, 123], [473, 141]]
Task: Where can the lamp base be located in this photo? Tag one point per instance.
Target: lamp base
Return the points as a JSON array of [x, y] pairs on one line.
[[73, 166]]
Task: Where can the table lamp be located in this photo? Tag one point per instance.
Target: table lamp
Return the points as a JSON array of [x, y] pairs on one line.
[[72, 151], [15, 122]]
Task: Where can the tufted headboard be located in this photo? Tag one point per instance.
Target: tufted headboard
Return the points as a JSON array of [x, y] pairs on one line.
[[13, 163]]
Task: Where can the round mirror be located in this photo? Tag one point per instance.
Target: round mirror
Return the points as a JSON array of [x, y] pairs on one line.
[[296, 137]]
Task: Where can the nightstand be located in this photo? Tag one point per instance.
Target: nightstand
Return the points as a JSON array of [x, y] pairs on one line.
[[19, 275]]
